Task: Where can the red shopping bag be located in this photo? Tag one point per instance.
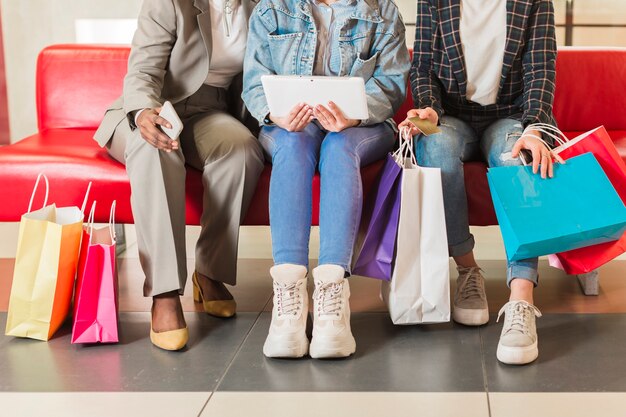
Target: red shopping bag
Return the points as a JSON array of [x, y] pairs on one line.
[[598, 142], [95, 300]]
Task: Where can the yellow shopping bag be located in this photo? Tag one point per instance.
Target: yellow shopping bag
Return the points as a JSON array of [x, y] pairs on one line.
[[45, 267]]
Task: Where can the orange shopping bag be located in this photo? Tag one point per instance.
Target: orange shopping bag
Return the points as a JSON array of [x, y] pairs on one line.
[[95, 299], [45, 267]]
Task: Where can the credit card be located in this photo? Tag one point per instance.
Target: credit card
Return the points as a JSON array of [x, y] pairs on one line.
[[425, 126]]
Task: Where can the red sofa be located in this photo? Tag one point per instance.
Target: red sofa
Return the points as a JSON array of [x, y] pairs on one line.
[[75, 84]]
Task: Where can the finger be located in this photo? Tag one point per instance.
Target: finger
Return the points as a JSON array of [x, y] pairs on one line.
[[321, 118], [422, 113], [536, 159], [412, 113], [305, 120], [304, 112], [337, 113], [550, 167], [294, 112], [545, 161], [327, 117], [158, 120], [326, 113], [158, 138], [412, 129], [558, 158], [517, 148]]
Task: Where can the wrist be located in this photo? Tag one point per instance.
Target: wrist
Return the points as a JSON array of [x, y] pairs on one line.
[[137, 115]]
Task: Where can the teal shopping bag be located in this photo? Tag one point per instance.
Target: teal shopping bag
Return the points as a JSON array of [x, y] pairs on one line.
[[578, 207]]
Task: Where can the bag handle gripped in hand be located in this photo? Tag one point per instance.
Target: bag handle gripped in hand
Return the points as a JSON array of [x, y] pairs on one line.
[[548, 130], [32, 196], [406, 150]]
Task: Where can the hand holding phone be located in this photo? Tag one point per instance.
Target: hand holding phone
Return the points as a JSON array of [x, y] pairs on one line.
[[168, 113], [153, 126]]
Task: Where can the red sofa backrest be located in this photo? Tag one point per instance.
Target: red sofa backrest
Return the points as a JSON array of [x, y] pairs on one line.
[[76, 83], [590, 88]]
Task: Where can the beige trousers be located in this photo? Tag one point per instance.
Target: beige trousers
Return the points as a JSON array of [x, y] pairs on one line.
[[231, 161]]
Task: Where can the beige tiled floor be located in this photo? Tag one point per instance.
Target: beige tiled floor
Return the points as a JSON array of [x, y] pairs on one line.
[[305, 404], [73, 404], [362, 404], [604, 404]]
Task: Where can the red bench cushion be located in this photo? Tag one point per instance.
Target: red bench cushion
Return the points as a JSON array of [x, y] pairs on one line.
[[76, 83]]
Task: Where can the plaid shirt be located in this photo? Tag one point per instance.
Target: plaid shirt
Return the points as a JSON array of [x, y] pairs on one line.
[[438, 77]]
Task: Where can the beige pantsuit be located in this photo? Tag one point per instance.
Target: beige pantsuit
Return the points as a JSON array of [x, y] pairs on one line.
[[169, 61]]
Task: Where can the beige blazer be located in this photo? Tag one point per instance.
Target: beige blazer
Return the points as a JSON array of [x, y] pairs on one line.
[[169, 60]]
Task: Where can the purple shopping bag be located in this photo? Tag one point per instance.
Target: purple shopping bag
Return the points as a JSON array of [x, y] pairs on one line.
[[379, 224]]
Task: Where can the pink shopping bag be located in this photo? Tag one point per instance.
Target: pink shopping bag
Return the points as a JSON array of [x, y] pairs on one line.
[[95, 300]]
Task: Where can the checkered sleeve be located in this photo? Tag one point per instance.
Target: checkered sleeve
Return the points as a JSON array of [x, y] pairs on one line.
[[539, 61], [425, 85]]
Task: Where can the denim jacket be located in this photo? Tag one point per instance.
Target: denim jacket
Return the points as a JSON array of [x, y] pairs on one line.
[[282, 39]]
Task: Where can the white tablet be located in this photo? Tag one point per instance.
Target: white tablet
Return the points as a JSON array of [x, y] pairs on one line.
[[283, 92]]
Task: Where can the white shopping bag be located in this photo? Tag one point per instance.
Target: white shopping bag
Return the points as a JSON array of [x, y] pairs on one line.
[[419, 291]]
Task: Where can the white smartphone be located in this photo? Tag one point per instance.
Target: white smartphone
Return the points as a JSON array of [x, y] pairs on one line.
[[169, 114]]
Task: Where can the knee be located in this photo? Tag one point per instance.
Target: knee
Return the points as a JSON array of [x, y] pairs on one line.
[[248, 149], [296, 147], [337, 150], [500, 152], [439, 151], [141, 156]]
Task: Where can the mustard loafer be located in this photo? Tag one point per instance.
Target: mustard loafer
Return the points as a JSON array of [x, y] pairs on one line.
[[217, 308]]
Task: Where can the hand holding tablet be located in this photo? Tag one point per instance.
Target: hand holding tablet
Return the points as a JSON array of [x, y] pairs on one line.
[[285, 92]]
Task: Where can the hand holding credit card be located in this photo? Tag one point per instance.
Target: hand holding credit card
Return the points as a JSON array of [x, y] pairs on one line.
[[424, 125]]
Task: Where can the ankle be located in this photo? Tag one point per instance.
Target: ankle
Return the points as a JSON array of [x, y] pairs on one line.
[[522, 290], [166, 301], [288, 273], [466, 261]]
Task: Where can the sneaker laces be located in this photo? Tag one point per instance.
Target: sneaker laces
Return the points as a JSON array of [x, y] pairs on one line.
[[518, 313], [288, 298], [472, 286], [328, 297]]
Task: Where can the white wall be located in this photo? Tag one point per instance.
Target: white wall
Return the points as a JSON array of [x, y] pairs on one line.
[[30, 25]]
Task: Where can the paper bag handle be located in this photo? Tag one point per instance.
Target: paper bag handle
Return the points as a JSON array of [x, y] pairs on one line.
[[32, 196], [91, 217], [112, 221], [92, 213], [406, 146], [548, 130], [82, 208]]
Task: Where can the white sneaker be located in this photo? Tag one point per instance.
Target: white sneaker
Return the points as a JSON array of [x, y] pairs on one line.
[[518, 340], [332, 337], [287, 334]]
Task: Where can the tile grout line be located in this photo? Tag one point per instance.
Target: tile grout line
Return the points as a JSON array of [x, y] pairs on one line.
[[484, 368], [230, 363]]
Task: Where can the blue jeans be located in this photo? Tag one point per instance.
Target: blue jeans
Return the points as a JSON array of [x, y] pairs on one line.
[[295, 157], [462, 141]]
